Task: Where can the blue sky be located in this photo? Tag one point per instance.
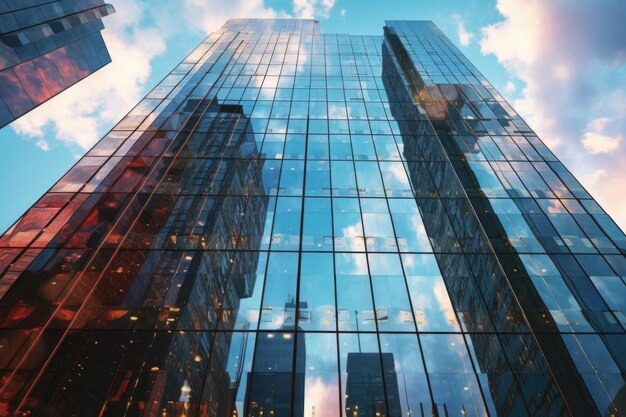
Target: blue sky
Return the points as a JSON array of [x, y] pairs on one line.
[[561, 64]]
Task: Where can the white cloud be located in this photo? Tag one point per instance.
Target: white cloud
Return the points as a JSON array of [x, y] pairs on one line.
[[570, 58], [342, 12], [43, 145], [310, 9], [510, 87], [327, 6], [596, 141], [304, 8], [465, 37]]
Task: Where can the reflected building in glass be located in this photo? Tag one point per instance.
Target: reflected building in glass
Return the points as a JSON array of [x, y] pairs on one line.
[[271, 386], [367, 394], [295, 223], [47, 46]]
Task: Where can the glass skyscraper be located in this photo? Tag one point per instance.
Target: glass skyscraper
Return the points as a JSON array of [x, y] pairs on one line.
[[301, 224], [45, 47]]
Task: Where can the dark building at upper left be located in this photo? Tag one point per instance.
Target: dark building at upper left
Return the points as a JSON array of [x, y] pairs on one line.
[[45, 47]]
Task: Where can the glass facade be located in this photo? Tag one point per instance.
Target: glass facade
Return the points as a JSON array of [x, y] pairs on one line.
[[303, 224], [45, 47]]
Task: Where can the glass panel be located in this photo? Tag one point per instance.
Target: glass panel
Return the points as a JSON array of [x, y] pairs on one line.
[[405, 382], [279, 296], [410, 231], [286, 232], [379, 234], [317, 233], [316, 388], [355, 310], [317, 292], [393, 309], [429, 296], [368, 178], [317, 178], [454, 386], [347, 226], [343, 179]]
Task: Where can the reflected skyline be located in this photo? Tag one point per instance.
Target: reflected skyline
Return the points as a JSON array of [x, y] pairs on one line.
[[308, 224]]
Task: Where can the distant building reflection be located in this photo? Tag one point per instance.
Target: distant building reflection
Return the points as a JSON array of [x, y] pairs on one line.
[[216, 281], [272, 388], [200, 262], [368, 394]]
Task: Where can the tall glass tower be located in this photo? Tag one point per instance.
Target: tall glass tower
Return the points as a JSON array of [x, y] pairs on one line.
[[47, 46], [300, 224]]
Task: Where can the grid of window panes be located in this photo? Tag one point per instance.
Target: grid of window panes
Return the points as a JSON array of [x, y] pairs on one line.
[[277, 229], [561, 252]]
